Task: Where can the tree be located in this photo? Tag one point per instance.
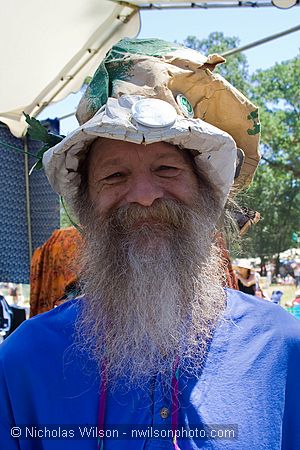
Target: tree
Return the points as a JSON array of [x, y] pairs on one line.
[[275, 191], [276, 91], [276, 195]]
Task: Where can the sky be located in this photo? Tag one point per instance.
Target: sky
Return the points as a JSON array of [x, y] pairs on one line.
[[248, 24]]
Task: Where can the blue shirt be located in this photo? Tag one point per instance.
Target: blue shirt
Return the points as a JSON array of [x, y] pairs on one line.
[[250, 383]]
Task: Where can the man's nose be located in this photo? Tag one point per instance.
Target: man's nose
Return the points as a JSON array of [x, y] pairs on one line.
[[144, 190]]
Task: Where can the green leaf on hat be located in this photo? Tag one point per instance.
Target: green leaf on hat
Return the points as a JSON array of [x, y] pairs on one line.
[[38, 165], [38, 132]]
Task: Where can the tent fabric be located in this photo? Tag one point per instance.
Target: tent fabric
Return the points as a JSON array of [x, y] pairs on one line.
[[204, 3], [48, 49], [16, 241]]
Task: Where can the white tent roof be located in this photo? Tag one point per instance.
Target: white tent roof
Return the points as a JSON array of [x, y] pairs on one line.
[[291, 253], [49, 48]]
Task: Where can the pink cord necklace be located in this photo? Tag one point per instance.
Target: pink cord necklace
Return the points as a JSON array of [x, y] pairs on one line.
[[175, 404]]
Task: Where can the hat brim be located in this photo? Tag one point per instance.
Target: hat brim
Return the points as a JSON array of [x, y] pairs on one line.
[[215, 150]]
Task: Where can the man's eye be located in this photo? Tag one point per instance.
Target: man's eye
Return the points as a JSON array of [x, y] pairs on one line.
[[168, 170], [114, 175]]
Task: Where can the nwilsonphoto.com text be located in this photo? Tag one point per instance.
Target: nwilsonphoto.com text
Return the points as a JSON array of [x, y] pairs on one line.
[[49, 432]]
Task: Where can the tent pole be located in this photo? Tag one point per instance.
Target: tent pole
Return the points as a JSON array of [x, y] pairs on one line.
[[27, 191], [261, 41]]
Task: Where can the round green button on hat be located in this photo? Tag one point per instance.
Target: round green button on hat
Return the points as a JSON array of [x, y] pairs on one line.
[[185, 106]]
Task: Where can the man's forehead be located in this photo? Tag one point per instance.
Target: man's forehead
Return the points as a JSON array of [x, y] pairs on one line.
[[114, 152]]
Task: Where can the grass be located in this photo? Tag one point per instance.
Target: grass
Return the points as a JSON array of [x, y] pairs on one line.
[[287, 289]]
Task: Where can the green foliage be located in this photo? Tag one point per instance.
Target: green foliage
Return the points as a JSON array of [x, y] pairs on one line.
[[38, 132], [235, 70], [275, 191], [276, 91], [276, 195]]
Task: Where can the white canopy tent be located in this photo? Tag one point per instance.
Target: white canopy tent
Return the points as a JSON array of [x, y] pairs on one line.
[[49, 48], [290, 254]]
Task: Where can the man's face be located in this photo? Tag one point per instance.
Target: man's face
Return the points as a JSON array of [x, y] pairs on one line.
[[122, 173], [152, 277]]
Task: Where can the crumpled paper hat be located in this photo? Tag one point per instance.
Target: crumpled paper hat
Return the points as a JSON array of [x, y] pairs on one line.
[[149, 90]]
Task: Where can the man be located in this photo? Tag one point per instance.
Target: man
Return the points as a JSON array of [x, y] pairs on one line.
[[155, 354]]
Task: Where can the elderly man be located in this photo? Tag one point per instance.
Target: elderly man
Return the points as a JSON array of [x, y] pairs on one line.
[[155, 354]]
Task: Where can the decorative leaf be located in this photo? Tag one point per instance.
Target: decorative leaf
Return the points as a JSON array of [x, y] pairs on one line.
[[36, 130], [53, 139], [36, 166], [40, 133]]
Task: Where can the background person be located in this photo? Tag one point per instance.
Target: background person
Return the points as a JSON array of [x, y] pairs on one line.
[[247, 281]]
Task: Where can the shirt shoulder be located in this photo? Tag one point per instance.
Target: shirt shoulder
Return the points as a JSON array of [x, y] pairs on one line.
[[262, 315], [55, 326]]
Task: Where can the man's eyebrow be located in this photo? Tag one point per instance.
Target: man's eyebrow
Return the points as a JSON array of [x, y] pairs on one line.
[[112, 162], [119, 160], [168, 156]]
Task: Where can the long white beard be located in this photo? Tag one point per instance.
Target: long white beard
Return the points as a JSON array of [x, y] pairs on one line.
[[152, 281]]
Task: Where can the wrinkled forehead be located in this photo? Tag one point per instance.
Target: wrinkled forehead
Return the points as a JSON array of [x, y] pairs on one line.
[[105, 151]]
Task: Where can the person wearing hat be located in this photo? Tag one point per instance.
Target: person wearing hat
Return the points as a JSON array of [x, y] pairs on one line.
[[155, 354], [247, 281]]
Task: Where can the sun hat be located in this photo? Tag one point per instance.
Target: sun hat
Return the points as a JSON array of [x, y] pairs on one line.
[[149, 90], [243, 263]]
